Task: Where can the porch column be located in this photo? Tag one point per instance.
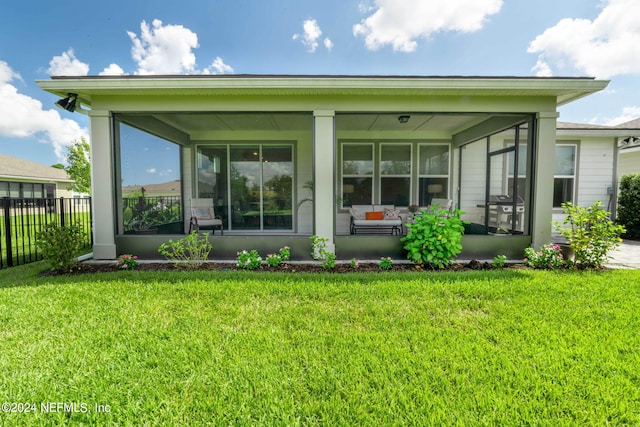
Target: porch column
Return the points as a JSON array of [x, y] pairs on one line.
[[323, 175], [102, 191], [544, 169]]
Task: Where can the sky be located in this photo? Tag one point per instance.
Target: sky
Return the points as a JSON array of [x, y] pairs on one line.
[[566, 38]]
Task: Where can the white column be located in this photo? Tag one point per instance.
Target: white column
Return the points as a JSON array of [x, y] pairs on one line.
[[102, 191], [544, 170], [323, 178]]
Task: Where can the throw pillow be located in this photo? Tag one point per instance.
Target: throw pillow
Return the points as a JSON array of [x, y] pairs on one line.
[[202, 213], [391, 213], [356, 213], [378, 215]]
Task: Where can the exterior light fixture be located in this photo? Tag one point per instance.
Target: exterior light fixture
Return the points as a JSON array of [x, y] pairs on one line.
[[403, 119], [68, 103]]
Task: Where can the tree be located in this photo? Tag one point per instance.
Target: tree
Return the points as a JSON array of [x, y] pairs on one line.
[[79, 166]]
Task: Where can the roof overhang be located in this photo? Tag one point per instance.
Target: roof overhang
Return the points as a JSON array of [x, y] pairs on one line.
[[563, 89]]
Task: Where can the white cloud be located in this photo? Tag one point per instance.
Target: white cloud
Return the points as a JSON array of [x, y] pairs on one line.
[[542, 69], [328, 43], [67, 65], [401, 23], [164, 49], [605, 47], [23, 117], [112, 70], [628, 114], [311, 34], [218, 67], [151, 170]]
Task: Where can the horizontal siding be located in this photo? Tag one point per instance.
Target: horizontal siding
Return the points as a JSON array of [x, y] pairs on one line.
[[629, 163], [595, 170]]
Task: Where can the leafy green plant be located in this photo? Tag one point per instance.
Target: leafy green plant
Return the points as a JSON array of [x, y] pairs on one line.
[[127, 262], [499, 261], [434, 237], [629, 205], [354, 263], [385, 263], [319, 252], [190, 251], [250, 260], [283, 255], [318, 247], [60, 245], [590, 232], [329, 262], [548, 257]]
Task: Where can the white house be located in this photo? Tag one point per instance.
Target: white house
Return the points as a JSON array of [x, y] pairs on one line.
[[22, 178], [251, 143]]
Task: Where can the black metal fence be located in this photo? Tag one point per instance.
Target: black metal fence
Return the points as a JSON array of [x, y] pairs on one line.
[[21, 219]]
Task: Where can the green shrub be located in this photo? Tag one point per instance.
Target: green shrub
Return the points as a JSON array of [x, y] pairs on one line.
[[60, 245], [385, 263], [249, 260], [629, 205], [548, 257], [499, 261], [434, 237], [319, 252], [591, 233], [190, 251]]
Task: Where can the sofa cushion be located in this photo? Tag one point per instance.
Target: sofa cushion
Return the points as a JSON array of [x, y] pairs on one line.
[[377, 223], [376, 215]]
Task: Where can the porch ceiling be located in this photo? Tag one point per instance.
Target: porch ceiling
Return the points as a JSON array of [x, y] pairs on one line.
[[191, 123]]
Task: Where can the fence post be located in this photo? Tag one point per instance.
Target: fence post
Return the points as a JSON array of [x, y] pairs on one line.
[[7, 232], [62, 211]]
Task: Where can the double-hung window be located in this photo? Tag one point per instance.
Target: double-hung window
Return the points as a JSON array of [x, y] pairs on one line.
[[395, 174], [433, 172], [357, 174], [564, 176]]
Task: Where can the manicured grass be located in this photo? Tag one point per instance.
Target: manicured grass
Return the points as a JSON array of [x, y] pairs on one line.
[[512, 347]]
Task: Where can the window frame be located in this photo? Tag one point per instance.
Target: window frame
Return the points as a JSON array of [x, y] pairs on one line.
[[343, 175], [574, 177], [381, 176], [437, 176]]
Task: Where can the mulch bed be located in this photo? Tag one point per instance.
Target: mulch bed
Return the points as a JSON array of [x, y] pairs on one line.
[[88, 267]]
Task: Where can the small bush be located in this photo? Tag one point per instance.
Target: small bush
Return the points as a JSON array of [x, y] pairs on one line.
[[499, 261], [548, 257], [629, 205], [283, 255], [354, 263], [127, 262], [60, 245], [190, 251], [249, 260], [385, 263], [329, 262], [434, 237], [591, 233]]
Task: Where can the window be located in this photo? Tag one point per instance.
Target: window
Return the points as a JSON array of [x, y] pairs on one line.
[[395, 174], [433, 173], [251, 184], [151, 191], [564, 176], [357, 174]]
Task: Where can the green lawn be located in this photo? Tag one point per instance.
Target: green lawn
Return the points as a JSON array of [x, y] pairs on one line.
[[512, 347]]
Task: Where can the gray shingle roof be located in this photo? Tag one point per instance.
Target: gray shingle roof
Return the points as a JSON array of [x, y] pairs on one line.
[[16, 167]]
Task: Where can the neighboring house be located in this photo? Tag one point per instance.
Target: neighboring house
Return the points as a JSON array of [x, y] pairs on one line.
[[164, 189], [26, 179], [629, 148], [251, 143]]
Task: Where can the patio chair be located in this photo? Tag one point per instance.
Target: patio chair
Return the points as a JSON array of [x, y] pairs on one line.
[[203, 216]]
